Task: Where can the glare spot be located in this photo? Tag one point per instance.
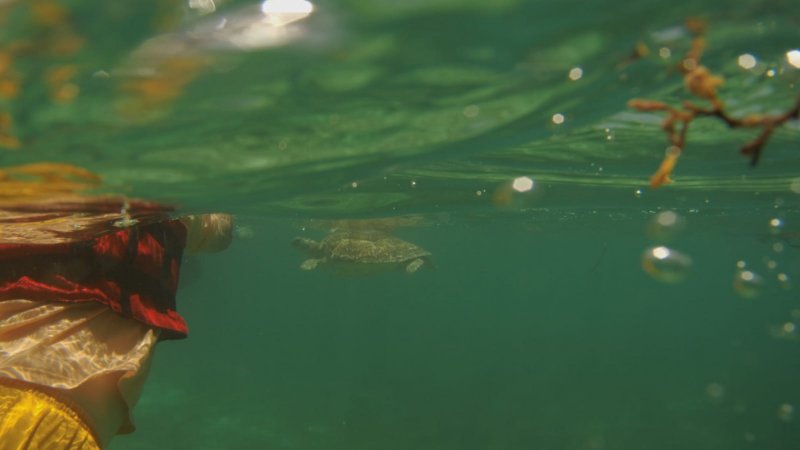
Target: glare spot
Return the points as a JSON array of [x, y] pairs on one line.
[[283, 12], [575, 73], [522, 184], [664, 52], [558, 118], [747, 61], [472, 111], [609, 134], [637, 193], [793, 57], [203, 6], [101, 74], [789, 327], [748, 284], [413, 183], [666, 265], [771, 73]]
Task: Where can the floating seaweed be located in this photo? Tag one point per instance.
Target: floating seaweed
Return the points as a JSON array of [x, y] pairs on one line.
[[703, 84]]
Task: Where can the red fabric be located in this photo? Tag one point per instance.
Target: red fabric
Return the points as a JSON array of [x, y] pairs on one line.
[[140, 282]]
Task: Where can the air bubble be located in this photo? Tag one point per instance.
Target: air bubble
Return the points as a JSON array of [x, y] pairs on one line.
[[715, 391], [784, 281], [666, 265], [775, 225], [786, 412], [665, 225], [748, 284]]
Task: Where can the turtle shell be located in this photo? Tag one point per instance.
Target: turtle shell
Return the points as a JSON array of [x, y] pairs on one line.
[[370, 247]]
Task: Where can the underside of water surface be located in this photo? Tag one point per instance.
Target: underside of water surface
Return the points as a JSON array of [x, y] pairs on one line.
[[564, 302]]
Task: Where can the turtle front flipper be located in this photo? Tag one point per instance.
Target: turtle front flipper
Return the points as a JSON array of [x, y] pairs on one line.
[[414, 265], [311, 264]]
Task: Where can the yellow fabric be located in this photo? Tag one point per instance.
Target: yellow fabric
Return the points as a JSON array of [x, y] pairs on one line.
[[30, 420]]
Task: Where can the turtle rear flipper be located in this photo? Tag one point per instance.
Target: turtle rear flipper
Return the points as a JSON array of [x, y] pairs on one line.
[[414, 265], [310, 264]]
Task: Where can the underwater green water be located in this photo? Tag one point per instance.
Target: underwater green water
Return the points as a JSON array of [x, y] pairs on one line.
[[535, 325]]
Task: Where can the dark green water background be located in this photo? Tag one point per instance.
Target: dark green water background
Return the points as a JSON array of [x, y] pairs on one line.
[[537, 328]]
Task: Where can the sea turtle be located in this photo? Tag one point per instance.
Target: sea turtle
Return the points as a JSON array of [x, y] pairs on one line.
[[362, 251]]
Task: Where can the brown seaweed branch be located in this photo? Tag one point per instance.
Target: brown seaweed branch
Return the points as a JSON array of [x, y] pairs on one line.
[[701, 83]]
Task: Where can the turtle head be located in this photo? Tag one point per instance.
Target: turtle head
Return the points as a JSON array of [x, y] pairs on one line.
[[306, 244]]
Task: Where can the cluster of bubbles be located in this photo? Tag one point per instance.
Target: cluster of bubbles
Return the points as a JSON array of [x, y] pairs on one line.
[[748, 283], [717, 394], [663, 263]]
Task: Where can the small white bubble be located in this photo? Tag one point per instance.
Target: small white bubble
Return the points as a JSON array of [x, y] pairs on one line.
[[778, 247], [575, 73], [637, 193], [558, 118], [664, 52], [413, 183], [741, 264], [478, 193], [771, 73], [354, 184]]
